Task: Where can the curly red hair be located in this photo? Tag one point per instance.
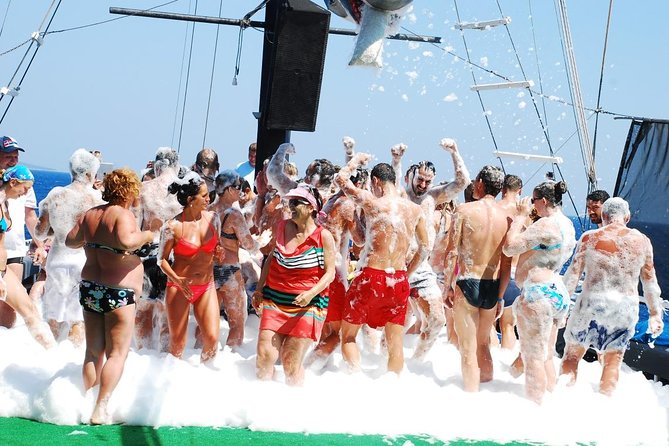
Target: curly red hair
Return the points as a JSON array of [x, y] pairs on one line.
[[120, 185]]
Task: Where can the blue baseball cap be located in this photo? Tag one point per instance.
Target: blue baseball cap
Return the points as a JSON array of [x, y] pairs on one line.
[[18, 172], [9, 144]]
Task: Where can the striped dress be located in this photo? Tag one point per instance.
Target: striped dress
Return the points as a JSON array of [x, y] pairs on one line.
[[291, 273]]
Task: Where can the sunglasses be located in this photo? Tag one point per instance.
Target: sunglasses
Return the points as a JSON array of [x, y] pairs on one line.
[[532, 200], [296, 202]]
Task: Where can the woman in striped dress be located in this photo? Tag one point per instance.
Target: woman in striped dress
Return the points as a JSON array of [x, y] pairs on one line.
[[291, 296]]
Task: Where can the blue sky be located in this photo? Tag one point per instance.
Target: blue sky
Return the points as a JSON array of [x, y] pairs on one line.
[[115, 87]]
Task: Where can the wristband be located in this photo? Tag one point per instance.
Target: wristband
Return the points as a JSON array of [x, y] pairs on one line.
[[500, 300]]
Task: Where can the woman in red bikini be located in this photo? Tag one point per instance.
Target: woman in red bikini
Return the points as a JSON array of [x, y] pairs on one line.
[[192, 237], [291, 296]]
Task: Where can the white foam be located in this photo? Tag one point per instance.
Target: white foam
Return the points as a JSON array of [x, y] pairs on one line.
[[427, 398]]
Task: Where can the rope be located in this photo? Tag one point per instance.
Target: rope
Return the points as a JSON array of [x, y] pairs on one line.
[[183, 104], [109, 20], [501, 76], [4, 19], [211, 80], [181, 76], [536, 59], [601, 79], [53, 15], [487, 120]]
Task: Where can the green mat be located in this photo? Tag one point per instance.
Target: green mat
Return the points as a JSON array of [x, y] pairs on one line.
[[18, 431]]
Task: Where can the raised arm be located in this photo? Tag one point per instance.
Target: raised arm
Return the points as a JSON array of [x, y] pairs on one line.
[[349, 144], [343, 179], [397, 152], [275, 173], [449, 191]]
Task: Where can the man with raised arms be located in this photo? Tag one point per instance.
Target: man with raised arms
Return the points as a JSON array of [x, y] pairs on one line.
[[475, 245], [613, 257], [378, 295], [424, 287]]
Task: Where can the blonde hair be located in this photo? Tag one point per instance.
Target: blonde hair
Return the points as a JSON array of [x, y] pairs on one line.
[[120, 185]]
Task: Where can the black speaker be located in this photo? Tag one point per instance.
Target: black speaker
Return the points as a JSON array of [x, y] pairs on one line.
[[298, 56]]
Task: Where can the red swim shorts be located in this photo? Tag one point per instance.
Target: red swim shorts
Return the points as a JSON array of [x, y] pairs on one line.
[[337, 295], [376, 298]]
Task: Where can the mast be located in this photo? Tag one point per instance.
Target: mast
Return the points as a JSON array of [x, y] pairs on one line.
[[577, 98]]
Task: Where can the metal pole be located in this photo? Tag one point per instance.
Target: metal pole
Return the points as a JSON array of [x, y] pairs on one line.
[[250, 23]]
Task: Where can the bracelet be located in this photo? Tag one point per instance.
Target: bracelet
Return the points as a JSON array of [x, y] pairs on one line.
[[500, 300]]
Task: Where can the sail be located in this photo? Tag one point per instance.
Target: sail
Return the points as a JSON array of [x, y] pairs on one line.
[[643, 181]]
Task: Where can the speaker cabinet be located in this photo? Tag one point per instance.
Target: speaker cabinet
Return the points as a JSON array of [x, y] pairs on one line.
[[298, 57]]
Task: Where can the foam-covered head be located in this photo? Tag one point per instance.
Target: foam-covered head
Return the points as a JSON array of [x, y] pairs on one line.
[[615, 209], [227, 178], [165, 157], [186, 187], [84, 165], [552, 191]]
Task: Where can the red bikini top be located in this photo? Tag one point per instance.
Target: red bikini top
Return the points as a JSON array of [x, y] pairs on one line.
[[187, 249]]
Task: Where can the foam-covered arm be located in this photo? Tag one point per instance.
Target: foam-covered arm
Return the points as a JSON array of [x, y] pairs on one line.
[[449, 191], [652, 292], [276, 176], [397, 152], [349, 147]]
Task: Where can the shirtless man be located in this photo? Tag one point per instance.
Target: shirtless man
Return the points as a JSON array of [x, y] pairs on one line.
[[378, 295], [235, 234], [512, 188], [593, 205], [156, 207], [475, 244], [424, 287], [342, 223], [59, 212], [614, 258]]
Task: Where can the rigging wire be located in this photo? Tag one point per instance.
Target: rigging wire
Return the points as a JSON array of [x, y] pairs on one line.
[[501, 76], [82, 26], [601, 79], [183, 104], [211, 80], [485, 114], [181, 77], [536, 59], [4, 19], [25, 73]]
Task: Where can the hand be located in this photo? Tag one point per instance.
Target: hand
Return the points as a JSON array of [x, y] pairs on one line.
[[303, 299], [448, 297], [349, 143], [261, 181], [287, 147], [39, 256], [264, 238], [361, 158], [219, 254], [397, 151], [655, 325], [183, 283], [500, 308], [449, 145], [256, 301], [524, 207]]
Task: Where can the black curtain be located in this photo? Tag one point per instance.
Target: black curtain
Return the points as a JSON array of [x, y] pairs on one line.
[[643, 180]]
